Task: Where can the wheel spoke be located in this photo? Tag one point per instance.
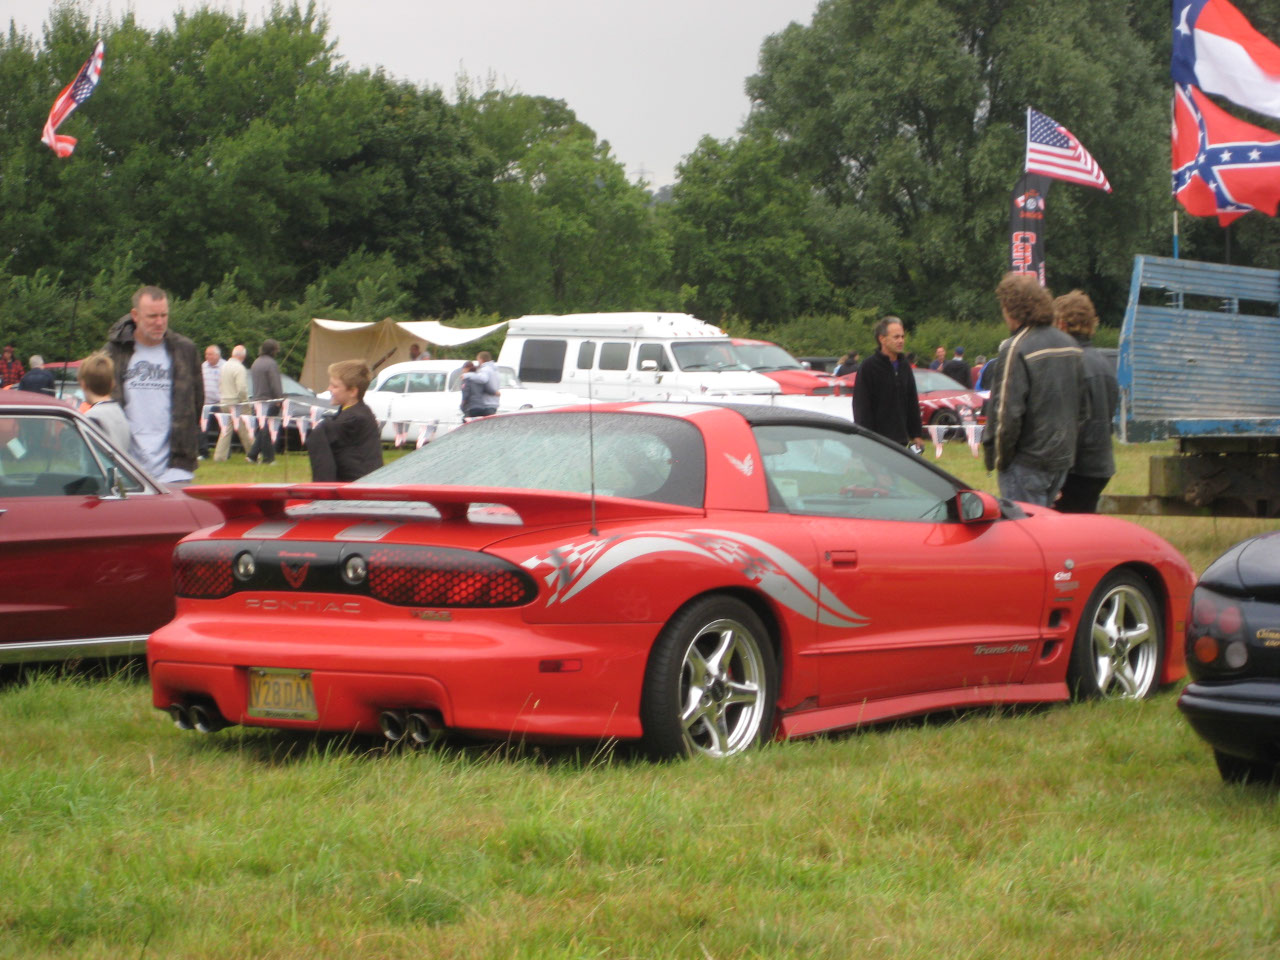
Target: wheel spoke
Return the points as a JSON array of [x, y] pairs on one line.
[[722, 654], [1123, 673], [742, 693], [698, 667], [1104, 636], [694, 712], [1105, 674]]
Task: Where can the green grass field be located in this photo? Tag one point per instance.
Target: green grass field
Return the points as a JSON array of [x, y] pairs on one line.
[[1084, 831]]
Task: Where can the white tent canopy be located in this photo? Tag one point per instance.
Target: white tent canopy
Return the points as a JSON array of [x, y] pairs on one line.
[[378, 344]]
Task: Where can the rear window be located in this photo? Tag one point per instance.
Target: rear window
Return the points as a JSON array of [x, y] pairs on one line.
[[542, 361], [643, 457]]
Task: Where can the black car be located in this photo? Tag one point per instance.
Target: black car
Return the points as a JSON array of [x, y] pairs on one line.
[[1233, 656]]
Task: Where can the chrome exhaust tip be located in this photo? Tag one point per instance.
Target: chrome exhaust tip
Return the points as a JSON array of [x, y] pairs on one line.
[[181, 719], [425, 727], [392, 725], [205, 719]]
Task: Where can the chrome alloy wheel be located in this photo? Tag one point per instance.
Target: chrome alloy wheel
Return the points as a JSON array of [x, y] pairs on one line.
[[722, 689], [1126, 643]]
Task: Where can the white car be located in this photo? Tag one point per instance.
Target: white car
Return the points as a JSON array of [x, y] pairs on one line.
[[426, 394]]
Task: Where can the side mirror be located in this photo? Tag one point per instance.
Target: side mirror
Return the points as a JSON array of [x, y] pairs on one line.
[[649, 366], [974, 506]]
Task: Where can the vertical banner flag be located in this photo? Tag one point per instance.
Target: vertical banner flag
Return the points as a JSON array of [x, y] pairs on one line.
[[1053, 151], [1222, 166], [1216, 49], [1026, 225], [74, 94]]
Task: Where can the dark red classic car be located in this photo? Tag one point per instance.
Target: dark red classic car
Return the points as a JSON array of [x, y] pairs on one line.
[[86, 537]]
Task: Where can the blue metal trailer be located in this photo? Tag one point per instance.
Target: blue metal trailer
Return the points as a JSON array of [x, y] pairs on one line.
[[1199, 362]]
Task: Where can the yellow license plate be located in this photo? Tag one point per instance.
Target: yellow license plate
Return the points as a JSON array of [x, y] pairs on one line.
[[281, 694]]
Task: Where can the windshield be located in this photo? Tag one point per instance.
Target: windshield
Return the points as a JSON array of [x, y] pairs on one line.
[[707, 355], [766, 356], [930, 380], [643, 457]]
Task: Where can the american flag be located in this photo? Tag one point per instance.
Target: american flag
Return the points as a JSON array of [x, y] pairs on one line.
[[1053, 151], [75, 93]]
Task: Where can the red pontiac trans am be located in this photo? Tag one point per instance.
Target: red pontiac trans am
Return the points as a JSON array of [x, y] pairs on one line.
[[692, 576], [86, 537]]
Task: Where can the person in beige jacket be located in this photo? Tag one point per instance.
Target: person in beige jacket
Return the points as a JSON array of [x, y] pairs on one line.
[[233, 390]]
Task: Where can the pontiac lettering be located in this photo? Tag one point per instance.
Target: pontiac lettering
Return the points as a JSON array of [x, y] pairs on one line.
[[272, 605]]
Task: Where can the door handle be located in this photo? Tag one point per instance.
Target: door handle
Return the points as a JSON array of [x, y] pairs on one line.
[[842, 558]]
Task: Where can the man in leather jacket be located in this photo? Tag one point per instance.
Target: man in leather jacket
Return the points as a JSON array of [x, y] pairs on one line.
[[1036, 404]]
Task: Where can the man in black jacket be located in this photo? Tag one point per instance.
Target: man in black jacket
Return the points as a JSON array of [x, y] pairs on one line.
[[348, 445], [1036, 404], [884, 394], [1074, 314]]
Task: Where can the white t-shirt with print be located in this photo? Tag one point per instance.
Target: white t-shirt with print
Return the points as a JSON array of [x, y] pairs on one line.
[[148, 397]]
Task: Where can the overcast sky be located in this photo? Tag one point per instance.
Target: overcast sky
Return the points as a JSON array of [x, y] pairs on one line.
[[650, 76]]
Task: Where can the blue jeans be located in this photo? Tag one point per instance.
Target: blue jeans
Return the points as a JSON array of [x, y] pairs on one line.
[[1021, 482]]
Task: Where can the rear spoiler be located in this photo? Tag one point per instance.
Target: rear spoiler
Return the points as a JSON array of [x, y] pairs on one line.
[[452, 503]]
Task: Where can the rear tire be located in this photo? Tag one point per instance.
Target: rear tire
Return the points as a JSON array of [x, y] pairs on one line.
[[1119, 644], [711, 682]]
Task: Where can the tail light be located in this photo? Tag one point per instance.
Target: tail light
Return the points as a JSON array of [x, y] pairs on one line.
[[397, 574], [203, 569], [1215, 636], [441, 577]]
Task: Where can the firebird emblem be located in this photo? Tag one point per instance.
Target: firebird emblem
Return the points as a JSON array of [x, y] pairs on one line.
[[746, 464], [295, 573]]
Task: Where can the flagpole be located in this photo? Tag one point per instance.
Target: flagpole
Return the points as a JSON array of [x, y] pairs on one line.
[[1175, 231], [71, 333]]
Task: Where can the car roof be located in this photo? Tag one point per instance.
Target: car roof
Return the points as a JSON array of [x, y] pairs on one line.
[[753, 413], [28, 398], [421, 366]]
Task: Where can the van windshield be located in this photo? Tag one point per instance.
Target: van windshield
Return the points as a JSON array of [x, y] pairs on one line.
[[706, 355]]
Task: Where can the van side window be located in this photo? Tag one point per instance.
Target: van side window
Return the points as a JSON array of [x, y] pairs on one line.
[[652, 351], [586, 354], [542, 361], [614, 356]]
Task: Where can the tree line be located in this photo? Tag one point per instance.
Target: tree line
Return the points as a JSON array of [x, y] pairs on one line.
[[246, 168]]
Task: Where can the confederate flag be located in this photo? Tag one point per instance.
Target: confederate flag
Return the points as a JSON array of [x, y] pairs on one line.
[[1221, 166], [74, 94]]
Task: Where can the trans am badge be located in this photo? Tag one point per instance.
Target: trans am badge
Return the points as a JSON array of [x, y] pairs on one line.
[[569, 569]]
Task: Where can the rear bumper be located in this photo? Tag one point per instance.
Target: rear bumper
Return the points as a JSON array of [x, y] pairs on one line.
[[1240, 718], [486, 678]]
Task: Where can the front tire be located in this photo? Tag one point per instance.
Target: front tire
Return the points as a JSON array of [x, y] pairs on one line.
[[948, 419], [1119, 644], [711, 682], [1239, 770]]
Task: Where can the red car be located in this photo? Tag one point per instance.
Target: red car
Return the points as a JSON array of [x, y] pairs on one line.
[[86, 537], [692, 576], [943, 401], [761, 356]]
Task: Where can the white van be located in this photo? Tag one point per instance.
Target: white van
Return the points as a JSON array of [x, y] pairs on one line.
[[629, 356]]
